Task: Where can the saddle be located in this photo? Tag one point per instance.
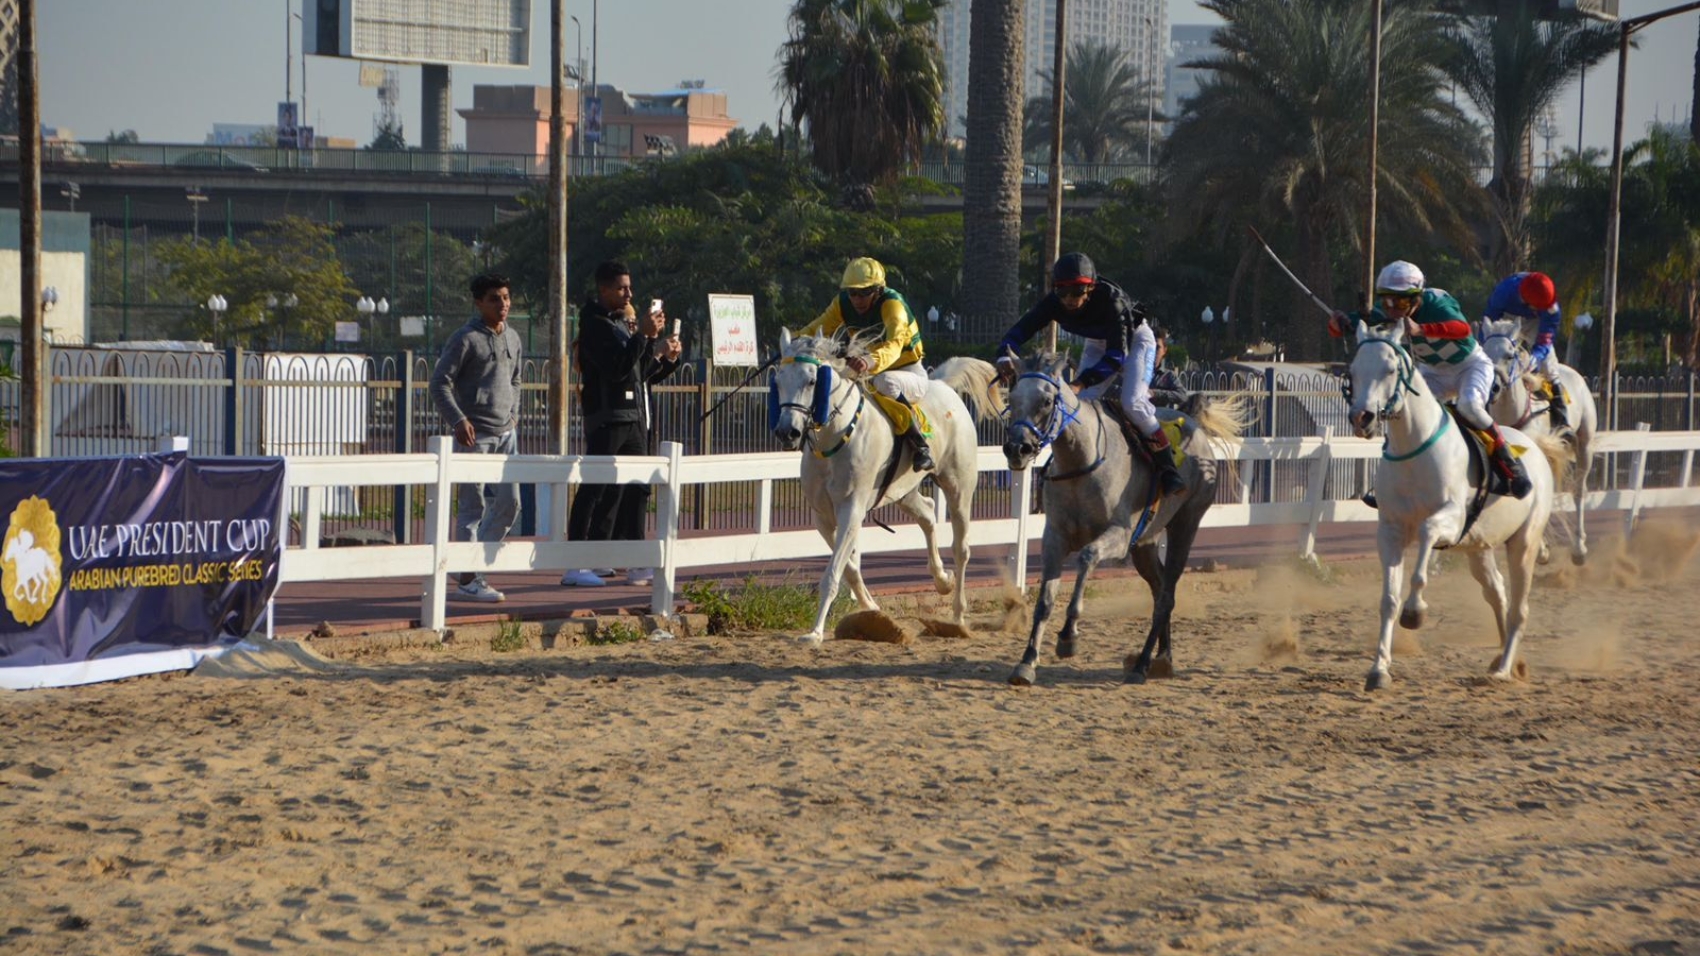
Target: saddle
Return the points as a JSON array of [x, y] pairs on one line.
[[1484, 479], [1174, 426], [898, 413]]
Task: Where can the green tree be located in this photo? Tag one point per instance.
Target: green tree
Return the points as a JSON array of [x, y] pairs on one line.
[[1512, 67], [991, 188], [867, 77], [1104, 109], [389, 136], [290, 255], [1277, 135], [124, 136]]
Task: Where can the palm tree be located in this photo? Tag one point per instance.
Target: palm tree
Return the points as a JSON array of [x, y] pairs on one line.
[[1512, 67], [1278, 133], [1104, 109], [991, 189], [867, 77]]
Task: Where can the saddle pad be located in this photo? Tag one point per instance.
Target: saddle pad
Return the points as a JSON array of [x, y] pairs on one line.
[[899, 414]]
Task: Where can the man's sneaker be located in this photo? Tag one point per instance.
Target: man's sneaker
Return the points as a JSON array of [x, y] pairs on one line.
[[479, 591], [581, 579], [640, 576], [602, 572]]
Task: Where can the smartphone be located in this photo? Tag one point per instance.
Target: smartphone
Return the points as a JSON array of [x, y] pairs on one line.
[[675, 328], [654, 306]]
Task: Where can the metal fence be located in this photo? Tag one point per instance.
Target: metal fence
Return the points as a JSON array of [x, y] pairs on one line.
[[114, 401]]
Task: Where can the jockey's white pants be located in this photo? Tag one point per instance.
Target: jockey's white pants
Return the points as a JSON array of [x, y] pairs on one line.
[[1469, 383], [908, 383], [1135, 377]]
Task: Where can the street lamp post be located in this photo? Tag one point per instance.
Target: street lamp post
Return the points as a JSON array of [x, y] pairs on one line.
[[72, 192], [217, 305], [1208, 317], [365, 306], [1150, 85], [1608, 327], [1582, 324], [196, 197]]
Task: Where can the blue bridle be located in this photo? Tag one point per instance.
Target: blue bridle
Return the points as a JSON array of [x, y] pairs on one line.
[[1061, 416]]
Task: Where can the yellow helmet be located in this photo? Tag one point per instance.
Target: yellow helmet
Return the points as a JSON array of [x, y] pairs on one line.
[[863, 272]]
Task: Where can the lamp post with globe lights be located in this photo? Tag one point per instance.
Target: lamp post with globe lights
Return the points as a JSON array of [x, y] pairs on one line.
[[1582, 323], [1208, 317], [216, 305]]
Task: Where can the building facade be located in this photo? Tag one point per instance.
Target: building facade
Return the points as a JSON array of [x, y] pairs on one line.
[[1135, 27], [514, 120], [1188, 42]]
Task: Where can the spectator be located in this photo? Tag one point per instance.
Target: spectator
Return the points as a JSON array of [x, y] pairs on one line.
[[1166, 388], [476, 389], [618, 363]]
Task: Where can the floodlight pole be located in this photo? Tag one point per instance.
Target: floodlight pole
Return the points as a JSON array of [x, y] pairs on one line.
[[33, 325], [558, 369], [1608, 324], [1053, 229]]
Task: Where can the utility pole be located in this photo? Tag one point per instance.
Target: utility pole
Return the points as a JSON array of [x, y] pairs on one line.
[[1053, 232], [33, 373], [1374, 162], [558, 368]]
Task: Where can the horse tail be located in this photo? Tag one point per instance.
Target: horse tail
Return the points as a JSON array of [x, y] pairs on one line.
[[1560, 456], [1223, 419], [977, 382]]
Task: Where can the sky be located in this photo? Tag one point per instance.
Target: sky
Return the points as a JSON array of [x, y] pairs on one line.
[[171, 70]]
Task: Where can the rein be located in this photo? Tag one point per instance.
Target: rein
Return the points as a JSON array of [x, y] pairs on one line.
[[1394, 406], [1061, 418]]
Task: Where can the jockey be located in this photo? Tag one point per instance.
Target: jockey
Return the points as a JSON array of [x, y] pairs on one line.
[[899, 378], [1118, 342], [1452, 364], [1531, 296]]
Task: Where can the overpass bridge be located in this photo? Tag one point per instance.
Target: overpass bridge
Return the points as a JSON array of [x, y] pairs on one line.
[[222, 189]]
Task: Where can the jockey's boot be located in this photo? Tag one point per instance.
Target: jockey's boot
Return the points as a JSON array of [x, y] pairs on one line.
[[1163, 457], [922, 460], [1514, 480], [1560, 417], [1368, 498]]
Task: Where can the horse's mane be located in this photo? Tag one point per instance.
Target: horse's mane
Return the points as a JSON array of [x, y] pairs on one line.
[[833, 349]]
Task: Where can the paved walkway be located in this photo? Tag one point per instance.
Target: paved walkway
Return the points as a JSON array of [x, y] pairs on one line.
[[390, 604]]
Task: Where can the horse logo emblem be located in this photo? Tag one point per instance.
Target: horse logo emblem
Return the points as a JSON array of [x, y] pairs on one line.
[[29, 561]]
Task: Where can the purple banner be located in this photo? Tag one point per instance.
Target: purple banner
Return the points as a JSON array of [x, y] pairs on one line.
[[107, 561]]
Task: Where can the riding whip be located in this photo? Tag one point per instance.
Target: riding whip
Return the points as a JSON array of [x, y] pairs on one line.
[[1325, 307], [741, 385]]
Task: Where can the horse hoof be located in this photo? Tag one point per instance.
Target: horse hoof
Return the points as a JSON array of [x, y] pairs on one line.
[[1578, 558], [1411, 618], [811, 640], [1545, 557], [1162, 668], [1135, 676], [1065, 646], [1519, 670], [1023, 676], [1377, 680]]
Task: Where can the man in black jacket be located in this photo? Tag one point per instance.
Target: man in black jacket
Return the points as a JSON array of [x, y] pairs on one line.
[[617, 366]]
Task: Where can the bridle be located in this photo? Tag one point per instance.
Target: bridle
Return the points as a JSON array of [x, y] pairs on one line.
[[1395, 405], [1062, 416], [820, 411], [1502, 378]]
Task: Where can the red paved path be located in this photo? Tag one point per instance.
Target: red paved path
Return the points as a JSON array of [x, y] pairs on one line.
[[372, 605]]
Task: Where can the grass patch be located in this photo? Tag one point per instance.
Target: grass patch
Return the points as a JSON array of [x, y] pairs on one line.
[[510, 636], [616, 632], [760, 605]]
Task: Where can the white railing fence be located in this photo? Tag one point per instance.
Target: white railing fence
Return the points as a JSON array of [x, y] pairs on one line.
[[312, 481]]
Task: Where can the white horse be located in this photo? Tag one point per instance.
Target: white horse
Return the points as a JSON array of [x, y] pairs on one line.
[[1515, 405], [34, 579], [1427, 485], [856, 462]]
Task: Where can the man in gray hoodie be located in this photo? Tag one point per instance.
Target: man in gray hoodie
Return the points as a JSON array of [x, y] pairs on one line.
[[476, 389]]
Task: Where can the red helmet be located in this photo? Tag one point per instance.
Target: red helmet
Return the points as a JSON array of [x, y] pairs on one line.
[[1536, 289]]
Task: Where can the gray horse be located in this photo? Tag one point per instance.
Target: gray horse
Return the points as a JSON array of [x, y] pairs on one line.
[[1100, 500]]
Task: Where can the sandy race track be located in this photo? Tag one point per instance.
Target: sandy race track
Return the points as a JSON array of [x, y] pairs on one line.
[[744, 794]]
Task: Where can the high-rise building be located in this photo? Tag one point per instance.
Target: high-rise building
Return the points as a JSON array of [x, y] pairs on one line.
[[1135, 27], [1188, 43]]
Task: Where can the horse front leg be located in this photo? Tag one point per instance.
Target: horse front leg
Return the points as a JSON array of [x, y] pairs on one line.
[[1051, 559], [1113, 541], [848, 520], [1416, 609], [1392, 549], [1584, 464]]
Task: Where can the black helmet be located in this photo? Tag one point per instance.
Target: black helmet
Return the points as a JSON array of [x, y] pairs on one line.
[[1073, 268]]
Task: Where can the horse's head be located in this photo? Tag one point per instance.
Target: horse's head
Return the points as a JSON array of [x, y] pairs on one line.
[[20, 545], [802, 385], [1380, 374], [1501, 344], [1035, 408]]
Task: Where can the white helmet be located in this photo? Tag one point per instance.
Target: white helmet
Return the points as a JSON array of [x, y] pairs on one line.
[[1399, 278]]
